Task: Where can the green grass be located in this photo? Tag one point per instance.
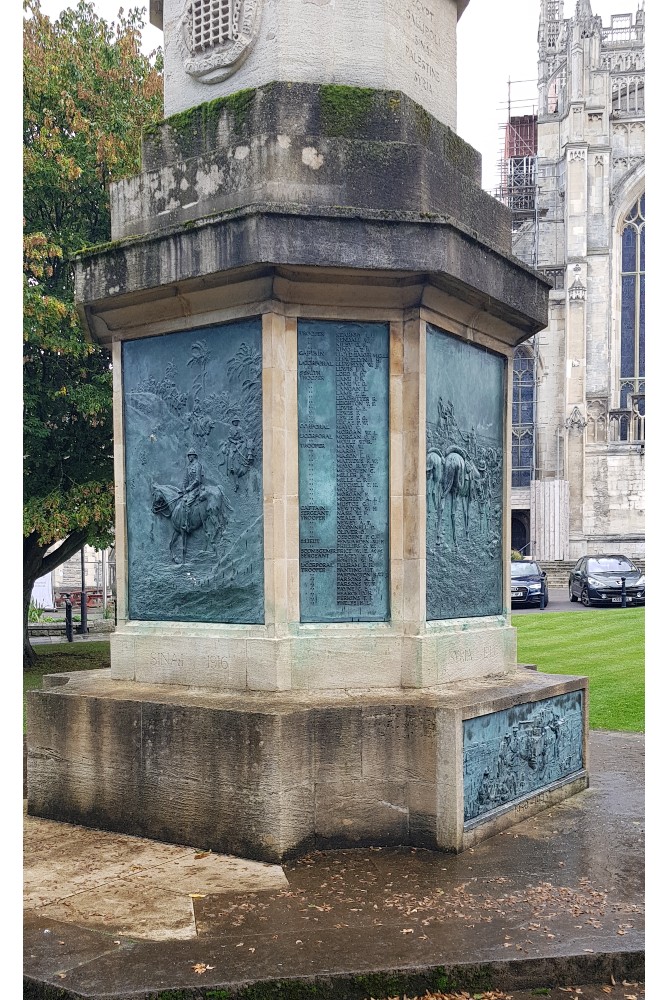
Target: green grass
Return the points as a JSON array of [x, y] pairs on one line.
[[62, 658], [606, 645]]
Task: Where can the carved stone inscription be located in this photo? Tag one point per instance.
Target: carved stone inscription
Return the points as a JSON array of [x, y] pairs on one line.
[[423, 44], [509, 755], [464, 476], [193, 467], [343, 398]]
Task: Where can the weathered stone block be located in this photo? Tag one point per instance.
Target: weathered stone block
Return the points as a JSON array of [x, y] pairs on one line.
[[360, 812], [236, 774]]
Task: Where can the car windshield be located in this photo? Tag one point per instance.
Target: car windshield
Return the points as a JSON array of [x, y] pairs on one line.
[[525, 569], [611, 564]]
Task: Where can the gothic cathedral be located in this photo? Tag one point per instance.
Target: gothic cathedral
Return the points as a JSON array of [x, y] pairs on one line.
[[574, 180]]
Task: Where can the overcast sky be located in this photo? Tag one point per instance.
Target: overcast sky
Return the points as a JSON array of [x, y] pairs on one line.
[[497, 41]]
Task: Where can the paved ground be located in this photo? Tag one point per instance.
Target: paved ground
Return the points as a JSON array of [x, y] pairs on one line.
[[91, 637], [557, 901]]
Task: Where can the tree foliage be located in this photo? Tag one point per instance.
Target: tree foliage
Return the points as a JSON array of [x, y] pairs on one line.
[[88, 91]]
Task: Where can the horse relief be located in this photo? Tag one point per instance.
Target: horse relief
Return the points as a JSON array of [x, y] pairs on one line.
[[453, 474], [193, 507]]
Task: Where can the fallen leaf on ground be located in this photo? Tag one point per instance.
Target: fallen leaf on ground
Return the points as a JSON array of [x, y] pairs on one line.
[[201, 967], [202, 854], [407, 930], [197, 895]]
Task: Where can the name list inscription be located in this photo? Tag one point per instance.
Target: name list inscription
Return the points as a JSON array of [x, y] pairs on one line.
[[423, 45], [343, 396]]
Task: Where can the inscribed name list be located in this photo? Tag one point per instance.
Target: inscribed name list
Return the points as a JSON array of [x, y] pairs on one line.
[[343, 400]]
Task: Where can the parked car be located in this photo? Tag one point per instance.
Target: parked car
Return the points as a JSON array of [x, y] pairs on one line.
[[598, 580], [527, 576]]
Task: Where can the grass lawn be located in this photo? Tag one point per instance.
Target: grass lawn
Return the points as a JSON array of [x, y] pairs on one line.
[[61, 658], [607, 645]]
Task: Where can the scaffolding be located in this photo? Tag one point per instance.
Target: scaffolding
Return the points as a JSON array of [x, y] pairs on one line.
[[517, 169]]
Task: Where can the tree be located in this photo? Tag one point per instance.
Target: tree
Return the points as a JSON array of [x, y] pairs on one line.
[[87, 93]]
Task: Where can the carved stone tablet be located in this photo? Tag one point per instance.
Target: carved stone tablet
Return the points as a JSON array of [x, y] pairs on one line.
[[193, 467], [464, 476], [509, 755], [217, 35], [343, 397]]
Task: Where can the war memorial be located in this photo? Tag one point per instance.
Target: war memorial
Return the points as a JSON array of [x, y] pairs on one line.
[[311, 306]]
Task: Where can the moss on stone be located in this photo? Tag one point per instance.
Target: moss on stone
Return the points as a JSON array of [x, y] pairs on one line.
[[459, 153], [98, 248], [424, 122], [473, 978], [194, 128], [380, 984], [344, 110], [283, 989]]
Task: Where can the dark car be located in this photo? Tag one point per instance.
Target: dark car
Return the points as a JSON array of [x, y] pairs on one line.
[[527, 578], [599, 580]]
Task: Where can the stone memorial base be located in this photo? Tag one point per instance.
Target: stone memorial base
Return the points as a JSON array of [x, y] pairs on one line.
[[269, 776], [368, 655]]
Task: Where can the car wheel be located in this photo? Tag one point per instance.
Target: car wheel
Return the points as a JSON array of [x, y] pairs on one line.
[[572, 597], [585, 599], [546, 600]]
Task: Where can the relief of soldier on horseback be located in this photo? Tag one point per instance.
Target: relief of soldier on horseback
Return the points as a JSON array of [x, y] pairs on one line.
[[192, 507]]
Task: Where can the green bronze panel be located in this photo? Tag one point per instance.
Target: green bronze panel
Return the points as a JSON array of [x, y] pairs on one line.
[[465, 410], [192, 407], [343, 400], [512, 754]]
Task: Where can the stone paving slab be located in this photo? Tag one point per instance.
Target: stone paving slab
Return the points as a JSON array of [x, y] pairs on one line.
[[555, 901]]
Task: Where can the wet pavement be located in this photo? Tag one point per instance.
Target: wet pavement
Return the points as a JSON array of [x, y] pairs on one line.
[[553, 902]]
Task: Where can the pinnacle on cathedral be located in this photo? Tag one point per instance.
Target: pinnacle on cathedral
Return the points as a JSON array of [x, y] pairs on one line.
[[583, 10]]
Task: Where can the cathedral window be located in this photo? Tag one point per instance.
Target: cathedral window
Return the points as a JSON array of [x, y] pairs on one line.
[[632, 310], [523, 416]]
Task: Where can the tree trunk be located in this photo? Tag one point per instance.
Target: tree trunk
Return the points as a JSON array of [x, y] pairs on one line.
[[38, 561]]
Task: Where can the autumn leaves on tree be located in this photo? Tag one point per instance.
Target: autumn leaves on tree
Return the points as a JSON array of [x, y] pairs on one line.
[[88, 91]]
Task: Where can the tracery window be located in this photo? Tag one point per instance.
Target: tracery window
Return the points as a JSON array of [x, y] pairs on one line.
[[632, 372], [523, 416]]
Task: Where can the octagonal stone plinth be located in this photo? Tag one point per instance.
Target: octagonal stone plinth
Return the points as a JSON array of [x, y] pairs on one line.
[[267, 779]]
